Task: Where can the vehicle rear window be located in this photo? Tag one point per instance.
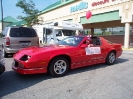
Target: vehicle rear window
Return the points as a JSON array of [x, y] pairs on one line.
[[22, 32]]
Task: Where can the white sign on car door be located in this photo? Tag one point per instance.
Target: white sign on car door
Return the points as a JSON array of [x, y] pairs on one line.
[[92, 50]]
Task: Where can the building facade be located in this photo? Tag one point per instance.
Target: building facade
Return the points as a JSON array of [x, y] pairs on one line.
[[6, 22], [112, 19]]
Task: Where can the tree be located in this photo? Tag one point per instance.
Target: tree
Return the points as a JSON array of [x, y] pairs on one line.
[[31, 13], [103, 30]]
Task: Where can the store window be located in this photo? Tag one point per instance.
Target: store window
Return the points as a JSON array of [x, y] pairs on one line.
[[131, 30], [103, 31], [97, 31], [87, 31], [112, 31], [118, 31], [109, 31]]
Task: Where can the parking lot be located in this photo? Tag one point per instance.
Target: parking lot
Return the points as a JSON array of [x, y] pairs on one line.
[[94, 82]]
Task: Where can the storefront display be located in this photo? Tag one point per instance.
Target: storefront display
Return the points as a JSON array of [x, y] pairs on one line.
[[108, 17]]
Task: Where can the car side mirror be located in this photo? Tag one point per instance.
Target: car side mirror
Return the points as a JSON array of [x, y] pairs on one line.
[[84, 45]]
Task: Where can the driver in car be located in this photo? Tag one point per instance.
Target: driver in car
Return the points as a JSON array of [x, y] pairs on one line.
[[89, 42]]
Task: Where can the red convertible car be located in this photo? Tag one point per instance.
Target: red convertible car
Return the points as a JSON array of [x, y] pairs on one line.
[[69, 53]]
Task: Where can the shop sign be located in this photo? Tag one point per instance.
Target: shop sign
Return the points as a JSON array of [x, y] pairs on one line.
[[81, 6], [101, 2]]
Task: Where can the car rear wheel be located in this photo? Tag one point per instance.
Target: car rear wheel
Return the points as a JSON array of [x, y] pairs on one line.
[[111, 58], [4, 52], [58, 67]]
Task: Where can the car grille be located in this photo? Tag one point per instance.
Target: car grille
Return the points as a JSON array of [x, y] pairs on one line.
[[16, 64]]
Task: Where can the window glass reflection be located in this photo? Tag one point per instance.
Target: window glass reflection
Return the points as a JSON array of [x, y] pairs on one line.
[[118, 30], [103, 31], [87, 31], [111, 31]]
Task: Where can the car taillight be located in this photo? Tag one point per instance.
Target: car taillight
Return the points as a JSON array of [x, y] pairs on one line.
[[7, 41]]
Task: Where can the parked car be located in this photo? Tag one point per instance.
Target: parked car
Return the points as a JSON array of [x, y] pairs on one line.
[[69, 53], [18, 37], [2, 63]]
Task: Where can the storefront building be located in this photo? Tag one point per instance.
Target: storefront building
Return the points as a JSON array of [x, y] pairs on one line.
[[112, 19], [6, 22]]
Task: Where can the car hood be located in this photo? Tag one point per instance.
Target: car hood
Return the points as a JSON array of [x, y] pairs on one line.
[[48, 48]]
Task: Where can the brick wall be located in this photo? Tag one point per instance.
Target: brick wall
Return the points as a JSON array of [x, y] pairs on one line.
[[117, 38]]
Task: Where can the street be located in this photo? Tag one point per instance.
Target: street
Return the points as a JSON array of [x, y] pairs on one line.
[[94, 82]]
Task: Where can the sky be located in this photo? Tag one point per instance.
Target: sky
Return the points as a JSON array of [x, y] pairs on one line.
[[10, 9]]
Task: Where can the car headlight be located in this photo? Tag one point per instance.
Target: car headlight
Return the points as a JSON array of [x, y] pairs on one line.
[[21, 65], [25, 58]]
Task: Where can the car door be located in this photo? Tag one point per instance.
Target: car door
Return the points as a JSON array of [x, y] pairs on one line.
[[78, 55], [91, 55], [86, 56], [79, 58], [97, 53]]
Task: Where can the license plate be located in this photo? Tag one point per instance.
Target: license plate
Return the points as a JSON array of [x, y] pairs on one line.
[[25, 44]]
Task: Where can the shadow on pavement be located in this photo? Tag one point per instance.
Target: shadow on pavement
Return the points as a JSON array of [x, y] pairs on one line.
[[11, 81], [97, 66]]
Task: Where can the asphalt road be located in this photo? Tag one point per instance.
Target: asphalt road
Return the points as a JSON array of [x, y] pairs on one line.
[[1, 41], [94, 82]]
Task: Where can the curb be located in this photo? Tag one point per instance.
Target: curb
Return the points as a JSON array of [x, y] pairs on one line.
[[127, 49]]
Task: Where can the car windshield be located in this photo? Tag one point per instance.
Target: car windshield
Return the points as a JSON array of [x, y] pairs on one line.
[[71, 41]]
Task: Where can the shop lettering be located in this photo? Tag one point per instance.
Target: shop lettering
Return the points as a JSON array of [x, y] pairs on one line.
[[70, 24], [100, 2], [81, 6]]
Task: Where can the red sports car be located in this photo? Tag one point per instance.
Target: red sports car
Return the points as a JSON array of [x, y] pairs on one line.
[[69, 53]]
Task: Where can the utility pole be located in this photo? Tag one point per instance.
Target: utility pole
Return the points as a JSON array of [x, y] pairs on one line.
[[2, 15]]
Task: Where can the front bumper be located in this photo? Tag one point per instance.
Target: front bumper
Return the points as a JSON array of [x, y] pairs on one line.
[[2, 68], [20, 70]]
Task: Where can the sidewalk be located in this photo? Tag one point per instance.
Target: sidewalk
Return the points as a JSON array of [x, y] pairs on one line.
[[128, 49]]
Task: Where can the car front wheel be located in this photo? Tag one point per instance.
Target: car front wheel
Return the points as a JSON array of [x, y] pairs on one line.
[[111, 58], [58, 67]]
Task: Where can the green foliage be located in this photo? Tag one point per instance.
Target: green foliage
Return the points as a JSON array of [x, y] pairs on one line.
[[1, 35], [31, 13], [103, 30]]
